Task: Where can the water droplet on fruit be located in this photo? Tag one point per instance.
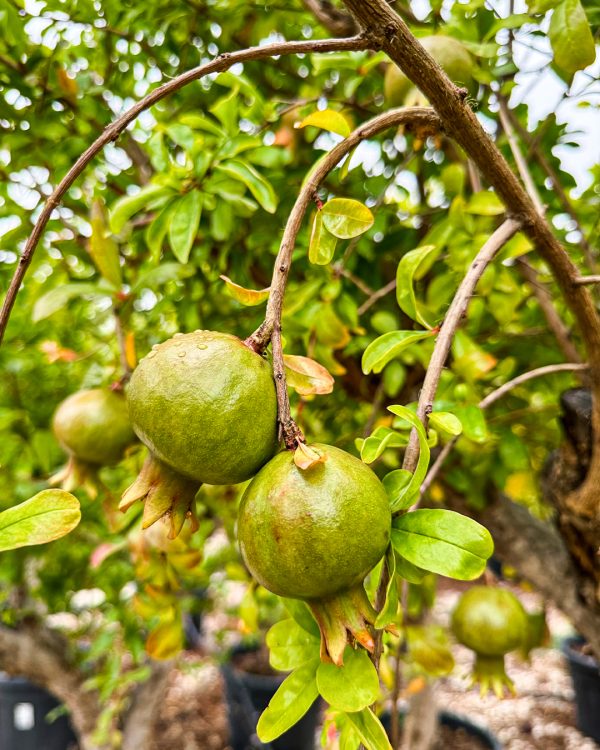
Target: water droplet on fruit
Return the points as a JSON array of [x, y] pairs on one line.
[[181, 354], [202, 346]]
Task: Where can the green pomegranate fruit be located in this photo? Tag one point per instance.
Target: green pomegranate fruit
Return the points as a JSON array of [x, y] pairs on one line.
[[491, 622], [314, 534], [450, 54], [204, 403], [94, 429]]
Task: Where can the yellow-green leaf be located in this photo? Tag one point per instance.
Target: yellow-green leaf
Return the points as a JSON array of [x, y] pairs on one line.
[[571, 37], [370, 730], [102, 247], [44, 517], [387, 347], [165, 641], [248, 297], [408, 271], [184, 224], [322, 243], [346, 218], [307, 377], [328, 119]]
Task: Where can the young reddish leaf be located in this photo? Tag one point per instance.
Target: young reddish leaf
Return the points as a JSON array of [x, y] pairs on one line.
[[305, 456], [248, 297], [328, 119], [307, 377]]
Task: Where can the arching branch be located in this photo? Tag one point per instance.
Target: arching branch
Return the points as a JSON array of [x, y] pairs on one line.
[[112, 132]]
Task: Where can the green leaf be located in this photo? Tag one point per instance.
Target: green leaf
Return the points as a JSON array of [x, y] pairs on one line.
[[260, 188], [388, 347], [346, 218], [161, 275], [429, 648], [103, 248], [411, 493], [290, 645], [408, 571], [541, 6], [396, 483], [60, 296], [328, 119], [370, 730], [44, 517], [157, 230], [405, 276], [485, 203], [184, 224], [445, 421], [322, 243], [473, 422], [571, 37], [389, 612], [378, 441], [248, 297], [443, 542], [123, 209], [295, 696], [302, 615], [351, 687]]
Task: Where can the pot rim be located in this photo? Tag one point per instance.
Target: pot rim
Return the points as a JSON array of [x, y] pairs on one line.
[[583, 660]]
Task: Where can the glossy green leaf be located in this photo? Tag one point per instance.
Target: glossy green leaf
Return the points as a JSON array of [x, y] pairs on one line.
[[541, 6], [408, 571], [184, 224], [571, 37], [102, 247], [290, 645], [406, 275], [443, 542], [396, 484], [413, 488], [156, 231], [322, 243], [328, 119], [161, 275], [248, 297], [388, 347], [485, 203], [370, 730], [389, 612], [43, 518], [445, 421], [381, 438], [302, 615], [473, 422], [124, 208], [294, 697], [60, 296], [260, 188], [346, 218], [351, 687]]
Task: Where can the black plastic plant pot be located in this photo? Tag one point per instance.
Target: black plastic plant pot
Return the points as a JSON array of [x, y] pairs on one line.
[[585, 673], [455, 722], [247, 696], [23, 723]]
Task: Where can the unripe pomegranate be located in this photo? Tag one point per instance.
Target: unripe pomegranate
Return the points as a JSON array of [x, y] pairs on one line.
[[314, 534], [491, 622], [450, 54], [204, 403], [94, 429]]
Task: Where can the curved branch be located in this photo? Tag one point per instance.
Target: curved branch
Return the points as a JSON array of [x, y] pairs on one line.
[[112, 132], [336, 21], [492, 398], [388, 31], [259, 340], [455, 313]]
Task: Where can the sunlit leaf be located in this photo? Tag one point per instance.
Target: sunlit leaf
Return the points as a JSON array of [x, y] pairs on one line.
[[60, 296], [124, 208], [445, 421], [346, 218], [407, 272], [328, 119], [43, 518], [102, 247], [248, 297], [165, 641], [260, 188], [307, 377], [290, 645], [351, 687], [185, 221], [370, 730], [413, 488], [571, 37], [388, 347]]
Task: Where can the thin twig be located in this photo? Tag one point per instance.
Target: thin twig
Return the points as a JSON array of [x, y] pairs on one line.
[[492, 398], [112, 132], [259, 340], [389, 287], [587, 280], [452, 320]]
